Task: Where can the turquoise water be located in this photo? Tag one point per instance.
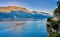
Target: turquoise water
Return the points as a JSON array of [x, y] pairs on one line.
[[28, 29]]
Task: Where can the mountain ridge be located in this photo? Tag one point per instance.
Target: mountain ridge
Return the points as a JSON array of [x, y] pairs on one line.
[[14, 8]]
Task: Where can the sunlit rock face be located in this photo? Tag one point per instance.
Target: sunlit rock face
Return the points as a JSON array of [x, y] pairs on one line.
[[14, 8]]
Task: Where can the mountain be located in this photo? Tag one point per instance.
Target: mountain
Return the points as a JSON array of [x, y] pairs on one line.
[[21, 14], [36, 12], [44, 13], [14, 8], [15, 13], [40, 14]]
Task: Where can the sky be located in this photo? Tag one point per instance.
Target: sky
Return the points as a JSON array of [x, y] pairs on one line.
[[37, 5]]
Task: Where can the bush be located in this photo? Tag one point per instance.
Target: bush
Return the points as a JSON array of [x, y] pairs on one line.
[[54, 34]]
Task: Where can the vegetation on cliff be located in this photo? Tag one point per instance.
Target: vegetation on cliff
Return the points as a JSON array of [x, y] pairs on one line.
[[55, 23]]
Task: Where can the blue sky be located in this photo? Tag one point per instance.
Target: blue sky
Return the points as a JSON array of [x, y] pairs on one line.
[[38, 5]]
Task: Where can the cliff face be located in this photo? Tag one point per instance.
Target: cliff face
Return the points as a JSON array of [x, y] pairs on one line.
[[14, 8]]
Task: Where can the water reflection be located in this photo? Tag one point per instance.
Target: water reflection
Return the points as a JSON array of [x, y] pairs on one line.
[[23, 28]]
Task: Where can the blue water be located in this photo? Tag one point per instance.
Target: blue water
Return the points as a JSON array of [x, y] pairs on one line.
[[29, 29]]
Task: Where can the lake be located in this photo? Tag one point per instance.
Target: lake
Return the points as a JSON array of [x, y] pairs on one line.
[[29, 28]]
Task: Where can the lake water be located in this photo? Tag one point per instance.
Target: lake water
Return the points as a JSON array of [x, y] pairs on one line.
[[31, 28]]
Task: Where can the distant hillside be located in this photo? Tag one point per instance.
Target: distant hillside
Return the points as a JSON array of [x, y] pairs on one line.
[[21, 14], [14, 8], [16, 13]]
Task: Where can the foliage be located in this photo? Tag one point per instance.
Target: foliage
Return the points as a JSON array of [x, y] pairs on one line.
[[49, 19], [54, 34], [53, 23]]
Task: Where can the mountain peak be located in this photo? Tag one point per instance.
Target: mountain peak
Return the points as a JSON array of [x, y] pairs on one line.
[[14, 8]]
